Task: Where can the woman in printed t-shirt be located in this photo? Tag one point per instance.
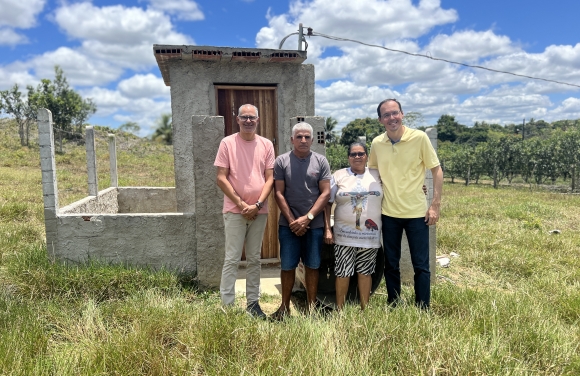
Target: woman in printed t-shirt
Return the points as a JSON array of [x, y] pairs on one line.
[[357, 193]]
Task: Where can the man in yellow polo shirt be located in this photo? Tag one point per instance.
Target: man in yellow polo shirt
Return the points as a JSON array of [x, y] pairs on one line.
[[402, 156]]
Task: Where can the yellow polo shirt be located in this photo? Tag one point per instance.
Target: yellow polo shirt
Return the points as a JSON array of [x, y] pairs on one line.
[[402, 168]]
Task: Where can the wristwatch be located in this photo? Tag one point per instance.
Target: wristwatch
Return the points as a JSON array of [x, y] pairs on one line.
[[259, 205], [310, 216]]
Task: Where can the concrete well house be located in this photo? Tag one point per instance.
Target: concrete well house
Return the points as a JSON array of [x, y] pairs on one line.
[[181, 228]]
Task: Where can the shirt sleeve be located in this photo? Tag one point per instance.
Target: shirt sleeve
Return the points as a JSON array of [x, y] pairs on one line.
[[372, 163], [221, 159], [270, 157], [278, 169], [325, 169], [430, 158]]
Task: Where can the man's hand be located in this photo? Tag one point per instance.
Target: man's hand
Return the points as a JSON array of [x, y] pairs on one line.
[[250, 212], [432, 215], [300, 225]]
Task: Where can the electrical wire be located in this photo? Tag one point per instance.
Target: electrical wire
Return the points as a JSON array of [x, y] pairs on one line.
[[312, 33]]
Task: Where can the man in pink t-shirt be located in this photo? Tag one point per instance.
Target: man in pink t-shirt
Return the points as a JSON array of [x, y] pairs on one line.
[[245, 163]]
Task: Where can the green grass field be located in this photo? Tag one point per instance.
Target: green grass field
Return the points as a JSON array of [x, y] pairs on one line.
[[508, 305]]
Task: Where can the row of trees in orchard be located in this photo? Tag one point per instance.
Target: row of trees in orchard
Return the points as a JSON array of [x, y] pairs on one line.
[[69, 109], [538, 152]]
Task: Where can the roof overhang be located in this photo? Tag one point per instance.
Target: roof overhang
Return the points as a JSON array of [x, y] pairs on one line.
[[165, 53]]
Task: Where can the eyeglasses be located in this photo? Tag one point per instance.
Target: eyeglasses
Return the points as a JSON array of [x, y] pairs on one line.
[[359, 154], [245, 118], [387, 115], [300, 137]]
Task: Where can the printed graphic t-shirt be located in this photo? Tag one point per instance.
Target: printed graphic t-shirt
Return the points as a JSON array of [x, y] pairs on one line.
[[357, 215]]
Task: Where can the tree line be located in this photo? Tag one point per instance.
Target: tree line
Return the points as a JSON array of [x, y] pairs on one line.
[[536, 151], [69, 109]]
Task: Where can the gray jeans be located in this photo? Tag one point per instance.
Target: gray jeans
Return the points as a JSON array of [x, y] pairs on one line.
[[238, 231]]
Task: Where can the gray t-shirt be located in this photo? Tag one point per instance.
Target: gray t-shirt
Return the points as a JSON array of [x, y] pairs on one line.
[[301, 177]]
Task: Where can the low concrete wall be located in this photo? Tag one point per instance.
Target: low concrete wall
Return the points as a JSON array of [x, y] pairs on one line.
[[147, 200], [146, 240], [104, 203]]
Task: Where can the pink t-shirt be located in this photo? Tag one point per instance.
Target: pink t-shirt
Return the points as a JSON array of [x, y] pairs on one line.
[[247, 162]]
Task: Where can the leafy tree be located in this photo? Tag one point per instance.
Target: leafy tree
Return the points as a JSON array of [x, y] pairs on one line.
[[337, 157], [69, 110], [130, 127], [413, 119], [368, 127], [447, 157], [164, 131], [448, 129], [329, 126], [23, 111]]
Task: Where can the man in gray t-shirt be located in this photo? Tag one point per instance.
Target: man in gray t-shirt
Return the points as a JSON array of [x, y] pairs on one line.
[[302, 186]]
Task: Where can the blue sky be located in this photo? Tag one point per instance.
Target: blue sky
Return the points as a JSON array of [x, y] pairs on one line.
[[105, 50]]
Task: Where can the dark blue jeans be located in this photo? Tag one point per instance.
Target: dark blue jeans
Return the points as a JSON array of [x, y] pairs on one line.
[[418, 237]]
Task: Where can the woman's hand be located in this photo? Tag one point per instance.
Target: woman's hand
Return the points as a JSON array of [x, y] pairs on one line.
[[328, 236]]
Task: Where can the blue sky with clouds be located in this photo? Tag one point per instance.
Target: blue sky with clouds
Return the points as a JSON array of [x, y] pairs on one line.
[[105, 49]]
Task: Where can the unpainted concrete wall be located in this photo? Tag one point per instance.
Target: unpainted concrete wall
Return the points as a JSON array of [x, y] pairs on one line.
[[208, 198], [105, 202], [149, 240], [146, 200]]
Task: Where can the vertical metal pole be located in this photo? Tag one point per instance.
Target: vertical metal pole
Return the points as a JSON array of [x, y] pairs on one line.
[[300, 37]]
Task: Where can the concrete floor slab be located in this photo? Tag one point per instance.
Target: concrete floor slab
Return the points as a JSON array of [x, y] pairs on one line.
[[269, 281]]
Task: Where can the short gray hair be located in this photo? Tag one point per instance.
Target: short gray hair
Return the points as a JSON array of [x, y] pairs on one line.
[[302, 126], [247, 105]]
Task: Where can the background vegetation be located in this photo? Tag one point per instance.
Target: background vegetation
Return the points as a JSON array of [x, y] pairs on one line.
[[508, 305], [535, 152]]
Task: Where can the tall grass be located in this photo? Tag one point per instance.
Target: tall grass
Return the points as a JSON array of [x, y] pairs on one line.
[[508, 305]]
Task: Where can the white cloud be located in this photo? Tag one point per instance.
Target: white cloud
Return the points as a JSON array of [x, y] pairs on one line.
[[373, 21], [143, 86], [117, 34], [142, 110], [9, 37], [14, 74], [481, 44], [20, 13], [183, 9], [78, 68]]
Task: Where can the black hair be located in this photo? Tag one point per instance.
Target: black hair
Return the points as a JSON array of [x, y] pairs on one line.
[[385, 101], [358, 144]]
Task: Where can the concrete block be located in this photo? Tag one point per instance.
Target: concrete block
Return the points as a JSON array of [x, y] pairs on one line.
[[48, 177], [113, 160], [45, 138], [51, 225], [44, 116], [50, 201], [46, 151], [49, 213], [47, 164], [49, 189]]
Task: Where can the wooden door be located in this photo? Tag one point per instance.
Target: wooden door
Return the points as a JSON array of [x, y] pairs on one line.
[[229, 99]]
